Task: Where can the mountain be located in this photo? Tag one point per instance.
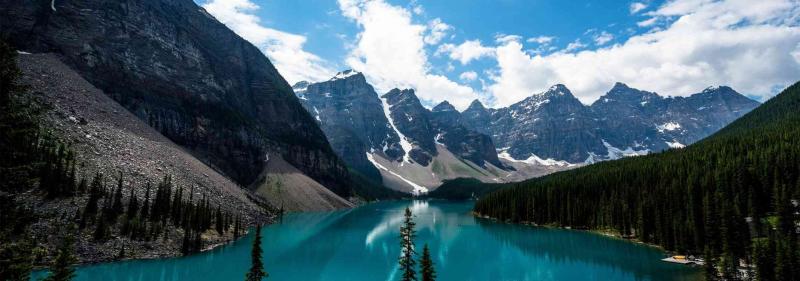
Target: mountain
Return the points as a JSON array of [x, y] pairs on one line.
[[354, 120], [107, 139], [393, 139], [640, 119], [553, 124], [729, 197], [187, 75], [556, 126]]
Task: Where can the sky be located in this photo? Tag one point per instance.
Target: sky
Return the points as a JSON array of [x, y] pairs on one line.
[[502, 51]]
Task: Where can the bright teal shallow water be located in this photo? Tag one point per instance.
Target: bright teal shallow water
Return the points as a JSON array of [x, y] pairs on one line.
[[362, 244]]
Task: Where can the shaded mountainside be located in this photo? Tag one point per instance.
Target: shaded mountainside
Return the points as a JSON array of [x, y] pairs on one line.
[[393, 139], [187, 75], [623, 122], [352, 117], [729, 197], [107, 139]]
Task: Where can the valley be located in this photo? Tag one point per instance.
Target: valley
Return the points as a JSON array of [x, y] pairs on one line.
[[375, 139]]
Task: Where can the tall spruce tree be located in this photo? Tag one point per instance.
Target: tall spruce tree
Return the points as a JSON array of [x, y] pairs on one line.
[[16, 260], [62, 269], [256, 272], [407, 235], [426, 265]]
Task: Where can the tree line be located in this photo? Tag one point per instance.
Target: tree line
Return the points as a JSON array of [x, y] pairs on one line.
[[407, 252], [33, 161], [731, 198]]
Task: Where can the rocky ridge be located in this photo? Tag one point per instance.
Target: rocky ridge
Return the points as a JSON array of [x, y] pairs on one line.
[[187, 75], [108, 139]]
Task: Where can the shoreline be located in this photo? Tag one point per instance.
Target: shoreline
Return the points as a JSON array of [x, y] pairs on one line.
[[609, 234]]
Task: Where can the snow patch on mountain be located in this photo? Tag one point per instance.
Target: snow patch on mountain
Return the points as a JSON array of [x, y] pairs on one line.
[[616, 153], [344, 74], [675, 144], [669, 126], [404, 143], [418, 189], [533, 160]]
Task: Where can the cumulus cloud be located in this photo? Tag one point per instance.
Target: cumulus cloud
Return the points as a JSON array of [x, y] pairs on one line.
[[542, 40], [574, 46], [465, 52], [284, 49], [647, 22], [390, 51], [750, 46], [637, 7], [505, 38], [468, 76], [436, 31], [602, 38]]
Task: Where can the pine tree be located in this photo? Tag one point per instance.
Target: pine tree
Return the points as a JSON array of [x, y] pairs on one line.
[[116, 203], [426, 263], [133, 205], [407, 235], [218, 221], [256, 272], [236, 227], [16, 260], [95, 192], [62, 269], [145, 213]]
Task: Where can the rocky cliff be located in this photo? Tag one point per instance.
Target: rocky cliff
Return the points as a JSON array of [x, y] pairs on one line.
[[350, 113], [554, 126], [187, 75], [108, 139]]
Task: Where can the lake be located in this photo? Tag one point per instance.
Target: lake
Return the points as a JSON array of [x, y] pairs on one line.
[[363, 244]]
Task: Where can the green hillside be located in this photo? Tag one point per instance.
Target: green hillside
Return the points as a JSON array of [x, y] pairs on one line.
[[730, 197]]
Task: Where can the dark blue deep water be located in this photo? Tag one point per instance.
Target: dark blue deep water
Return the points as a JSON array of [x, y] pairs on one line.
[[362, 244]]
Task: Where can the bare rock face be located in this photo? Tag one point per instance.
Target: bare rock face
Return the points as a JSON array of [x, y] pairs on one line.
[[411, 118], [110, 140], [187, 75], [624, 122], [553, 124], [645, 120], [463, 142], [351, 115]]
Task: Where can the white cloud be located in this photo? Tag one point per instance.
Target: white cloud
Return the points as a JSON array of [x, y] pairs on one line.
[[602, 38], [285, 50], [468, 76], [504, 38], [647, 22], [750, 46], [574, 46], [637, 7], [465, 52], [390, 51], [542, 40], [436, 31]]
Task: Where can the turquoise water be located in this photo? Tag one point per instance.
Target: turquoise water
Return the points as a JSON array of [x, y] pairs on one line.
[[362, 244]]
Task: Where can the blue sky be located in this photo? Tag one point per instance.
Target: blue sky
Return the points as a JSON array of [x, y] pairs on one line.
[[504, 50]]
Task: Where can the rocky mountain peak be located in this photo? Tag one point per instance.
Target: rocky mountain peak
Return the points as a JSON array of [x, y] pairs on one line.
[[300, 87], [558, 97], [627, 95], [444, 106], [476, 105], [722, 93], [619, 86], [348, 74], [558, 90], [396, 96]]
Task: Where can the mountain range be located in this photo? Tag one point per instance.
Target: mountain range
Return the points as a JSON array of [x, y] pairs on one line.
[[396, 140]]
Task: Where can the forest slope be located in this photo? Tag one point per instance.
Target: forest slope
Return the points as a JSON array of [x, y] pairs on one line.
[[730, 197]]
